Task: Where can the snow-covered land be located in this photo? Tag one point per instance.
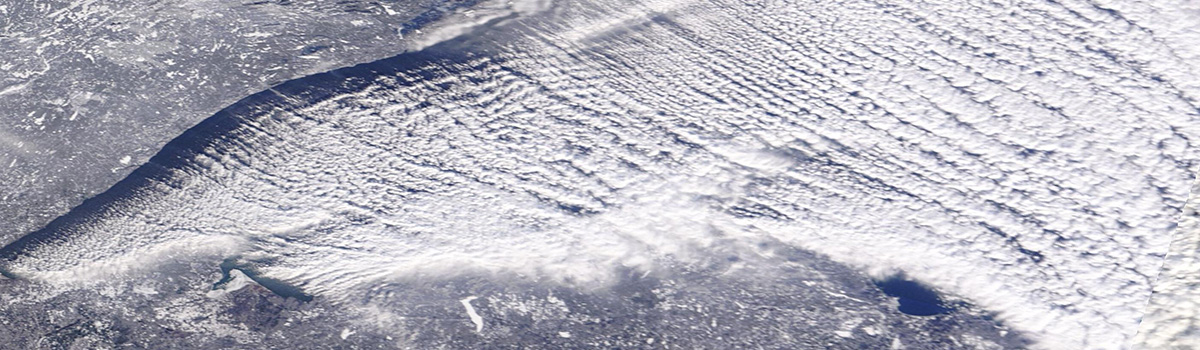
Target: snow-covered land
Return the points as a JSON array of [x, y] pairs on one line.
[[1028, 160]]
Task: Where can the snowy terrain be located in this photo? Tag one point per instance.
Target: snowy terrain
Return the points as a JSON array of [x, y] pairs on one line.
[[91, 89], [1028, 160]]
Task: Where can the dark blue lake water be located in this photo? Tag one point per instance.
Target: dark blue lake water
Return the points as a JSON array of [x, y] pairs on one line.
[[915, 298]]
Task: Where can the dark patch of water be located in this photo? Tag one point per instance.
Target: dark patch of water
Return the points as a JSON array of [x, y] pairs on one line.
[[915, 298], [280, 288]]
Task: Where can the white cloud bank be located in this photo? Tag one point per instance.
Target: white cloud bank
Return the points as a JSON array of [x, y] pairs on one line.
[[1003, 154]]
